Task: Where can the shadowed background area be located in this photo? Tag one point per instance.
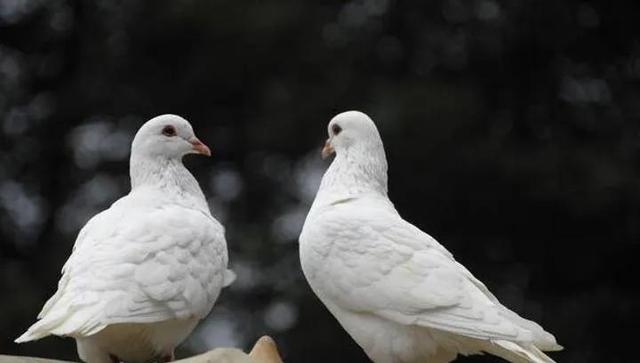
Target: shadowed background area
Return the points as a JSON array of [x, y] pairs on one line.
[[512, 130]]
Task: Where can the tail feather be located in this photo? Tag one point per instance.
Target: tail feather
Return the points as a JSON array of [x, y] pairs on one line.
[[542, 339], [517, 352], [51, 323], [37, 331], [63, 322]]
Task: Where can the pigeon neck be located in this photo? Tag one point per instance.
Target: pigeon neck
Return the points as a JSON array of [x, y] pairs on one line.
[[356, 171], [168, 175]]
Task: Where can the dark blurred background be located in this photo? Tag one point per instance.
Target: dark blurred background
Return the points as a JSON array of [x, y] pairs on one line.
[[512, 130]]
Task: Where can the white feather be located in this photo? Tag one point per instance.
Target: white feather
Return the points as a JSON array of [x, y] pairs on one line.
[[153, 263], [398, 292]]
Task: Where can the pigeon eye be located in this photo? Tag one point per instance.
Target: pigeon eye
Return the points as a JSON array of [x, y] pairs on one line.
[[336, 129], [169, 131]]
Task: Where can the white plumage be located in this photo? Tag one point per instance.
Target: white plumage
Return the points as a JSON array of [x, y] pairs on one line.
[[143, 272], [398, 292]]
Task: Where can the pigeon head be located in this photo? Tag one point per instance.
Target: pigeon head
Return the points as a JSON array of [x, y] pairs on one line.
[[169, 137], [351, 130], [360, 165]]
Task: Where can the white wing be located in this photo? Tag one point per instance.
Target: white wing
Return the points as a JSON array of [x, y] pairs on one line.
[[137, 265], [362, 256]]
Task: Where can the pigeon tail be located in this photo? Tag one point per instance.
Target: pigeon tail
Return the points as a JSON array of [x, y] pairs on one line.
[[39, 330], [517, 352], [30, 336], [61, 322]]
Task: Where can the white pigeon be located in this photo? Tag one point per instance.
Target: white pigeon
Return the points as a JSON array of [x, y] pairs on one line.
[[145, 271], [399, 293]]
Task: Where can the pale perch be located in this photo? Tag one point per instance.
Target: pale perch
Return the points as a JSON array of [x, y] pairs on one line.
[[264, 351]]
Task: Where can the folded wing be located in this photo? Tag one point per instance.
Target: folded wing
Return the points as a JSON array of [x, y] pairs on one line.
[[382, 265]]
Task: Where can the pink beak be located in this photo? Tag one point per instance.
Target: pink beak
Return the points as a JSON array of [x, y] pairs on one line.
[[199, 147], [327, 150]]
